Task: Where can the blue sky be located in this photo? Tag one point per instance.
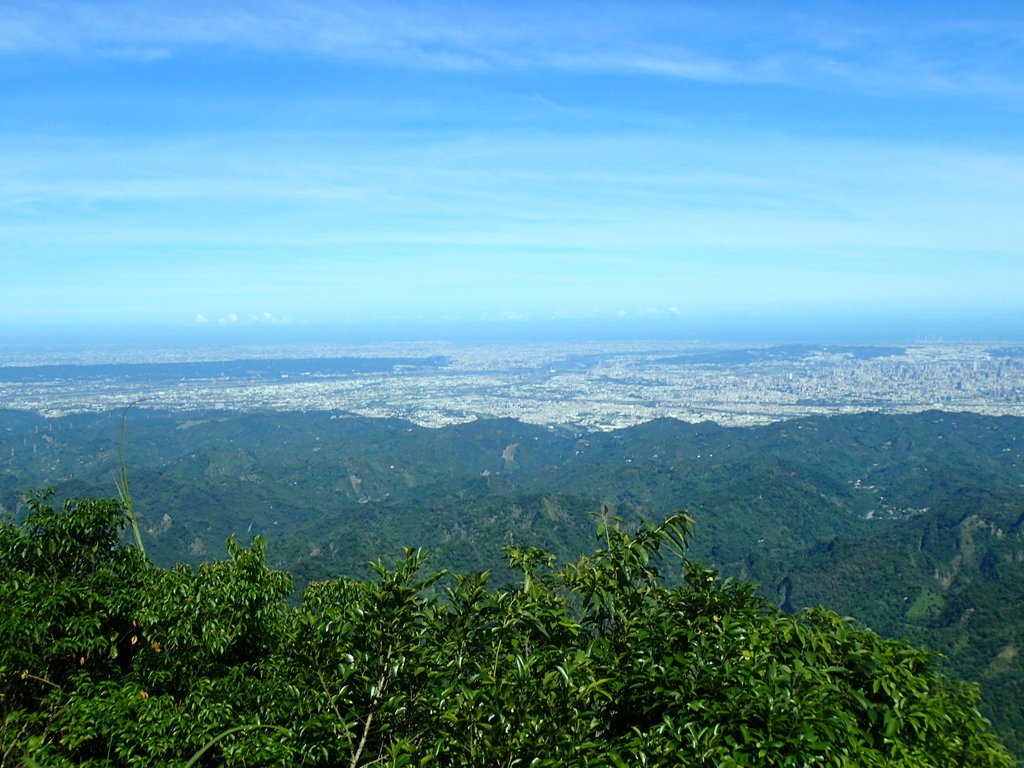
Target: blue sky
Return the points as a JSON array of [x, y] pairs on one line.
[[286, 166]]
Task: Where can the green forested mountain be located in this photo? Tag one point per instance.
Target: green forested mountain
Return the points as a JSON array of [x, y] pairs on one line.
[[107, 661], [911, 524], [952, 578]]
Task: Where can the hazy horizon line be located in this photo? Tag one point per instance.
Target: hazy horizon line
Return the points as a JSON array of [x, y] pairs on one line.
[[810, 328]]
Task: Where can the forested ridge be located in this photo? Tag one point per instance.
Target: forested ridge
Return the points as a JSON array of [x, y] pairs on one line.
[[106, 660], [910, 524]]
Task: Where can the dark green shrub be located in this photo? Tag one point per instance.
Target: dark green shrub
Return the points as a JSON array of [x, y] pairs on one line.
[[107, 661]]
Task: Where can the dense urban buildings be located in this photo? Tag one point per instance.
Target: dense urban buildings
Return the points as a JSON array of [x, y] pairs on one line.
[[591, 385]]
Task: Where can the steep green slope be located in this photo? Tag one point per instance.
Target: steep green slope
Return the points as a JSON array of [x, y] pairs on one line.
[[911, 524], [108, 662], [952, 579]]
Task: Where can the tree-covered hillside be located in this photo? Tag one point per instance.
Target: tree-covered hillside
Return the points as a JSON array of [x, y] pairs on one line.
[[952, 579], [910, 524], [108, 661]]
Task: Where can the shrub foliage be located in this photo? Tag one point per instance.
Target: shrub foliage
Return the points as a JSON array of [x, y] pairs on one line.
[[106, 660]]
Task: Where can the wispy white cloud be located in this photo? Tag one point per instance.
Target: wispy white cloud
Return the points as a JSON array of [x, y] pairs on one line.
[[866, 46], [597, 196], [513, 194], [269, 318], [682, 65]]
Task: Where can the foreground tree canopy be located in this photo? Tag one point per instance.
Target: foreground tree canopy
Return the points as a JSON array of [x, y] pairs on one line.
[[106, 660]]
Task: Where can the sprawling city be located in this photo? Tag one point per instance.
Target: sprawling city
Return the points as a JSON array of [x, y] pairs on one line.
[[592, 385]]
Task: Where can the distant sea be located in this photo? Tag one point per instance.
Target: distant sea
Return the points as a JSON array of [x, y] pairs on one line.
[[895, 327]]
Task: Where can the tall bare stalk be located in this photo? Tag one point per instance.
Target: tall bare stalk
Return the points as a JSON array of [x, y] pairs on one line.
[[121, 480]]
